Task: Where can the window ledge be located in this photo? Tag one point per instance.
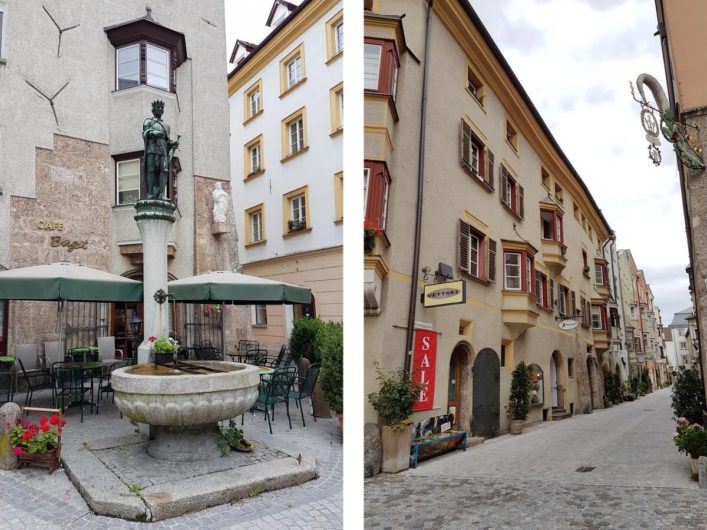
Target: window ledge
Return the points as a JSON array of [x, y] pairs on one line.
[[513, 148], [337, 132], [512, 211], [293, 233], [251, 118], [482, 281], [335, 57], [548, 310], [477, 178], [294, 155], [293, 87], [251, 176], [256, 243], [172, 96], [479, 101], [260, 326]]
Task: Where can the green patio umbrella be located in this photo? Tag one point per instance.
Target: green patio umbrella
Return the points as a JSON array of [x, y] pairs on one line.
[[67, 282], [234, 288]]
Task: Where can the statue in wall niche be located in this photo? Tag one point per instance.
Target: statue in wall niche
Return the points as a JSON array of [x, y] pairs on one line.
[[220, 203], [159, 151]]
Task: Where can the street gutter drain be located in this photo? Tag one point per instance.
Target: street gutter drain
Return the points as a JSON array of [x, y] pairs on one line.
[[585, 469]]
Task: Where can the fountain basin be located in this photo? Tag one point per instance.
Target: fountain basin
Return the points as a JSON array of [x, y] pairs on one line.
[[183, 409]]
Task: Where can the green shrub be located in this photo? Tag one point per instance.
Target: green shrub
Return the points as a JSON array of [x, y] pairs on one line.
[[396, 397], [688, 399], [330, 344], [690, 439], [644, 384], [609, 390], [618, 388], [303, 339], [634, 385], [519, 401]]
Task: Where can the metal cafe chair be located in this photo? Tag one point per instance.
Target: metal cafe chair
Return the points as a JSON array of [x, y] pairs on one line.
[[257, 357], [273, 391], [277, 361], [7, 386], [70, 383], [244, 346], [305, 387], [207, 353], [32, 384]]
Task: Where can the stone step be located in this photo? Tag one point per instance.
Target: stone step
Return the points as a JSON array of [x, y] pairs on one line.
[[473, 441], [560, 414]]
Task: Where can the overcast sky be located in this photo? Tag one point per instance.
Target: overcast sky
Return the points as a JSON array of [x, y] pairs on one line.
[[575, 59]]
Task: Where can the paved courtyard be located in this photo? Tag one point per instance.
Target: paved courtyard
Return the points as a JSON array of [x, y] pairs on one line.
[[531, 480], [32, 499]]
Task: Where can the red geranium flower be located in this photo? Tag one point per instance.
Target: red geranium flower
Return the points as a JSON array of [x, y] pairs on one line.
[[45, 428], [152, 339], [43, 420], [27, 435], [18, 451], [54, 420], [26, 425]]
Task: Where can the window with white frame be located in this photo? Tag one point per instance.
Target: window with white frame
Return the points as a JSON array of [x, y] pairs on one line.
[[683, 345], [127, 181], [598, 274], [512, 271], [294, 71], [596, 318], [371, 65], [157, 67], [254, 101], [254, 158], [541, 289], [339, 37], [156, 71], [260, 315], [296, 135], [474, 251], [298, 209], [562, 299], [128, 66], [256, 226]]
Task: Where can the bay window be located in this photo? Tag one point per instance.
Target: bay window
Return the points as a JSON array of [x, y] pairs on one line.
[[551, 225], [143, 64], [380, 66], [599, 320], [601, 273], [376, 183], [519, 271]]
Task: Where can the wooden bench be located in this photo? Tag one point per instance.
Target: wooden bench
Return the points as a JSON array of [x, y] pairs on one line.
[[435, 444]]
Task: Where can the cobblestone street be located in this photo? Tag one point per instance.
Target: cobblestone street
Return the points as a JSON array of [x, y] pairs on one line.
[[32, 499], [530, 481]]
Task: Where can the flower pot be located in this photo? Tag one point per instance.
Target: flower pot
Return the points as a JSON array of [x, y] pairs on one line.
[[50, 458], [693, 467], [396, 449], [244, 446], [516, 426]]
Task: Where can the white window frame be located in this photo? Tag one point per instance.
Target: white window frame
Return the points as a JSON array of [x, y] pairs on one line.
[[3, 17], [507, 276], [366, 175], [298, 203], [562, 299], [528, 274], [256, 219], [371, 76], [117, 64], [149, 46], [474, 247], [294, 71], [298, 124], [259, 313], [118, 178], [596, 318], [254, 98], [339, 37], [255, 149], [475, 156], [598, 274]]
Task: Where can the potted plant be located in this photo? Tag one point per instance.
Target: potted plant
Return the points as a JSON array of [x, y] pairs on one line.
[[296, 224], [687, 398], [163, 349], [585, 271], [394, 402], [691, 439], [519, 401], [232, 439], [39, 443], [331, 349], [369, 237], [304, 351]]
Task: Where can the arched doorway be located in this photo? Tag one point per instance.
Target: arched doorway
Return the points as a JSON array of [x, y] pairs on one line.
[[591, 375], [487, 398], [557, 388], [459, 387]]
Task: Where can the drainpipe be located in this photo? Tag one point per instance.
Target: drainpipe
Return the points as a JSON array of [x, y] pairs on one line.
[[420, 190], [681, 172]]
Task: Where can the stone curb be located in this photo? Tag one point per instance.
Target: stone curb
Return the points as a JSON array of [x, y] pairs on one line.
[[171, 500], [103, 491]]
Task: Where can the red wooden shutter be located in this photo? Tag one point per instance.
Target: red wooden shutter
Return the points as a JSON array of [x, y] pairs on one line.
[[489, 168], [463, 246], [376, 196], [502, 179], [521, 201], [552, 294], [491, 260], [465, 148]]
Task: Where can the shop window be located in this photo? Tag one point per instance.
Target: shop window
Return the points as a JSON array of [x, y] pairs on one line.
[[512, 194], [253, 101], [541, 290], [511, 136], [477, 253], [476, 158], [474, 85], [294, 134], [292, 70], [127, 174], [537, 389], [336, 108], [255, 225], [260, 315], [335, 35], [551, 225], [519, 271], [376, 186], [295, 216], [253, 158], [380, 66]]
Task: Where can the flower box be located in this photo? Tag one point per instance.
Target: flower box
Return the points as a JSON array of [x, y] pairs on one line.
[[51, 458]]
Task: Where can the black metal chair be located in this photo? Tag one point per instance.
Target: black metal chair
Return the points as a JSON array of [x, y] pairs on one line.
[[185, 354], [245, 345], [104, 383], [7, 386], [207, 353], [272, 391], [257, 357], [44, 384], [70, 383], [277, 361], [305, 387]]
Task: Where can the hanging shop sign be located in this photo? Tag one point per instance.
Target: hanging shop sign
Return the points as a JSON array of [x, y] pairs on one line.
[[447, 293], [568, 324], [424, 363]]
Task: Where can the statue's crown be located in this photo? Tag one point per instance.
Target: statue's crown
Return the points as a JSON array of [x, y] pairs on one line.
[[158, 104]]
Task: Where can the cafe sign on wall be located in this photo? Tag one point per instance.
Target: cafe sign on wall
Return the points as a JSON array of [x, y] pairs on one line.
[[447, 293], [59, 241], [424, 363]]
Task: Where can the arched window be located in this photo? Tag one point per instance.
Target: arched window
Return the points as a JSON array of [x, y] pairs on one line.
[[537, 391]]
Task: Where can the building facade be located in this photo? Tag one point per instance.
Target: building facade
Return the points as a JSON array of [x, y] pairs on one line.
[[473, 192], [73, 103], [679, 352], [286, 110]]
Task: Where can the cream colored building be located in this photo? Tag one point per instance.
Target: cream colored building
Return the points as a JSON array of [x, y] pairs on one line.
[[286, 97], [500, 208]]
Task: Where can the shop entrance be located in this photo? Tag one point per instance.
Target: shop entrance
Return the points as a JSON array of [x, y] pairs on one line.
[[454, 387], [556, 386], [459, 387], [487, 398]]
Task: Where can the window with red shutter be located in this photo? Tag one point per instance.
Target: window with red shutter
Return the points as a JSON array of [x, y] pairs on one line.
[[477, 253], [381, 66], [512, 193], [377, 185]]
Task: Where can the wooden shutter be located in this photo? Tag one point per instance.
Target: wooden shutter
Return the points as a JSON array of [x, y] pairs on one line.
[[521, 201], [552, 294], [574, 303], [489, 168], [465, 148], [491, 260], [463, 246], [503, 176], [376, 196]]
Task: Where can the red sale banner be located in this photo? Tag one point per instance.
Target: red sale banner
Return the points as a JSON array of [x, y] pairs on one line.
[[424, 362]]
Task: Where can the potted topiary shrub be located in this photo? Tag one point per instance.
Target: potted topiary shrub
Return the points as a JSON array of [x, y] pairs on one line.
[[331, 349], [688, 399], [691, 439], [394, 401], [304, 351], [519, 401]]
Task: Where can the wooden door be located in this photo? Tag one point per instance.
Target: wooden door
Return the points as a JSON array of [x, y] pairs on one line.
[[454, 388]]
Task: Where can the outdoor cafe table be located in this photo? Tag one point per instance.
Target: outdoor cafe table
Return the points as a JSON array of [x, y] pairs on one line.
[[87, 370], [7, 364]]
